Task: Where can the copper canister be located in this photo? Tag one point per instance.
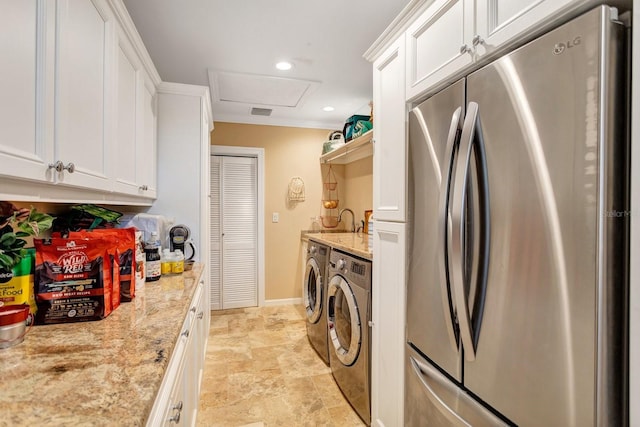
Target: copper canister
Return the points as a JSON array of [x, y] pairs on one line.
[[367, 216]]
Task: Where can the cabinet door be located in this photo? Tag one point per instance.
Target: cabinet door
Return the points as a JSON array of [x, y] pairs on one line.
[[502, 21], [388, 314], [84, 92], [174, 410], [128, 78], [390, 147], [147, 144], [26, 36], [438, 44], [194, 358]]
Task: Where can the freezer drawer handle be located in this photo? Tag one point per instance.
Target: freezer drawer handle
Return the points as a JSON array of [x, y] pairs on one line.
[[471, 142], [426, 374], [444, 227]]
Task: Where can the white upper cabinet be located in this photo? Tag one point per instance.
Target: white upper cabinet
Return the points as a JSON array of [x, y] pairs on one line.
[[501, 21], [390, 148], [78, 107], [128, 78], [84, 92], [451, 36], [438, 44], [133, 159], [147, 144], [26, 144]]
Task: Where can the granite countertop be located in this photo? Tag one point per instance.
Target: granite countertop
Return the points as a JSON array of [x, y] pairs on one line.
[[355, 243], [98, 373]]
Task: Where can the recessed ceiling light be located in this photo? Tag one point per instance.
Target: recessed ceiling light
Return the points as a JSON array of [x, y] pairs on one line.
[[328, 108], [284, 65]]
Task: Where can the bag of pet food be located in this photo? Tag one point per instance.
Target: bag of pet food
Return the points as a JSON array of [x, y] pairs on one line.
[[73, 280], [16, 285], [125, 246]]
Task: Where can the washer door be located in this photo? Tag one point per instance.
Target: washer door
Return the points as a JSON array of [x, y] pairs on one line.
[[313, 291], [343, 318]]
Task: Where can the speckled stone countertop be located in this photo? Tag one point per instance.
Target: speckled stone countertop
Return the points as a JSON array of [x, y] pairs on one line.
[[98, 373], [355, 243]]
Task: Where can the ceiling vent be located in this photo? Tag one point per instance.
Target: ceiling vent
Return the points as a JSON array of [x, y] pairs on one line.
[[261, 111]]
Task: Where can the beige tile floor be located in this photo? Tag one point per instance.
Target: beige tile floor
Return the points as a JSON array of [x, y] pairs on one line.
[[260, 370]]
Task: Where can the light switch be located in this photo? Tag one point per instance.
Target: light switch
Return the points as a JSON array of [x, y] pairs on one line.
[[275, 217]]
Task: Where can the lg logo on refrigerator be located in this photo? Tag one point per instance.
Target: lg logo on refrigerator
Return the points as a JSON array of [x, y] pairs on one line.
[[559, 48]]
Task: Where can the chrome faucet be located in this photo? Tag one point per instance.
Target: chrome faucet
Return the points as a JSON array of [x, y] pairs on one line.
[[353, 221]]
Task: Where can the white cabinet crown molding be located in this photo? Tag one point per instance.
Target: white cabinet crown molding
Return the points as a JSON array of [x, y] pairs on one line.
[[123, 17], [192, 90], [396, 29]]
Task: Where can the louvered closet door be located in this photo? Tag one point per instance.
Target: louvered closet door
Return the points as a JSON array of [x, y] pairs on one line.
[[234, 232]]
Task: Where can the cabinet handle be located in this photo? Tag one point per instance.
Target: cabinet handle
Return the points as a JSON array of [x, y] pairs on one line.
[[178, 406], [59, 167], [465, 49], [477, 40], [175, 418], [200, 315], [193, 309], [144, 187], [186, 334]]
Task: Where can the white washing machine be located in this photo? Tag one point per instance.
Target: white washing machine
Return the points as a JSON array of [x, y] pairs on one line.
[[348, 318], [315, 295]]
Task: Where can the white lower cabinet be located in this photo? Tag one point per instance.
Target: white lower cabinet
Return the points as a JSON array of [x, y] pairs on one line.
[[388, 313], [177, 400]]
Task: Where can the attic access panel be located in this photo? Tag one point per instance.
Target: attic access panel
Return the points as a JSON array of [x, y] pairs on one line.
[[259, 90]]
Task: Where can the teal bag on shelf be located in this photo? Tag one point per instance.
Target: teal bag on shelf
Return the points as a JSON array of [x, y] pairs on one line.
[[361, 127]]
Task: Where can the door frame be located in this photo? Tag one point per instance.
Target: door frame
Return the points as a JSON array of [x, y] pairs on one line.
[[258, 153]]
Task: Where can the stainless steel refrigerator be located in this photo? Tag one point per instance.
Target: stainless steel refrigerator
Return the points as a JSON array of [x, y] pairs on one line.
[[518, 237]]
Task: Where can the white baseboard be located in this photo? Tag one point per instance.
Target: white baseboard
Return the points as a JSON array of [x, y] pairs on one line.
[[286, 301]]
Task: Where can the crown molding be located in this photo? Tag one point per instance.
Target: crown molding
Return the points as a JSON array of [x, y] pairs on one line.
[[396, 28], [123, 17]]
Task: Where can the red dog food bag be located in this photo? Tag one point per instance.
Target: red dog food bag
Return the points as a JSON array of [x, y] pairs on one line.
[[72, 280], [111, 239], [125, 248]]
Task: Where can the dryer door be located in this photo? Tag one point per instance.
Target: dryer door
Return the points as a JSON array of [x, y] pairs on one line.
[[313, 291], [345, 328]]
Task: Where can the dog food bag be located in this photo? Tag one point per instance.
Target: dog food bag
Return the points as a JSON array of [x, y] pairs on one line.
[[125, 246], [16, 285], [73, 279]]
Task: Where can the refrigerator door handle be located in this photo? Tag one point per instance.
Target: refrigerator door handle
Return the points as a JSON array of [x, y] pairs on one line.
[[426, 374], [471, 141], [444, 227]]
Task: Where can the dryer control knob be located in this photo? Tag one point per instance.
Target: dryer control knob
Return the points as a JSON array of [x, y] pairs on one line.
[[313, 249], [341, 264]]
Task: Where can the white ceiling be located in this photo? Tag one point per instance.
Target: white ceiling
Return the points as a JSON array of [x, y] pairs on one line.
[[232, 46]]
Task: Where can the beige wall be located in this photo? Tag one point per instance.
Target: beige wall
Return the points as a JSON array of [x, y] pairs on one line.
[[291, 152]]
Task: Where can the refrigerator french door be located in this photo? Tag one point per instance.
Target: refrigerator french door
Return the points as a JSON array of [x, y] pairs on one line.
[[518, 247]]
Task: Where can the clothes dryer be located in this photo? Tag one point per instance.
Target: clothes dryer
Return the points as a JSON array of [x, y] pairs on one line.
[[348, 319], [315, 295]]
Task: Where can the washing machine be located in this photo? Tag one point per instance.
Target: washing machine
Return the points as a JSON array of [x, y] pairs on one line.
[[348, 319], [315, 295]]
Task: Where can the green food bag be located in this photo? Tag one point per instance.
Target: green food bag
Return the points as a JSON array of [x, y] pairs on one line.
[[16, 286]]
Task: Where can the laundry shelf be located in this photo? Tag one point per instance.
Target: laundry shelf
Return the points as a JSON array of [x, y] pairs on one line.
[[356, 149]]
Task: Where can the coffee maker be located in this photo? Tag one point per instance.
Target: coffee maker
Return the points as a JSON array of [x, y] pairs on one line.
[[179, 238]]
